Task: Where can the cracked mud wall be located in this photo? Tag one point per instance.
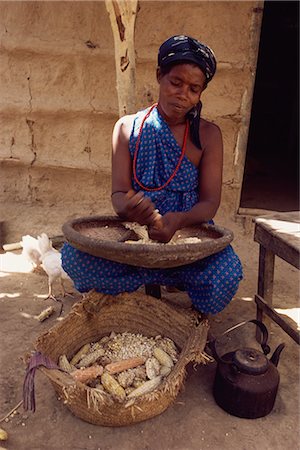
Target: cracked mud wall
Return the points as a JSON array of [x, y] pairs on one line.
[[58, 98]]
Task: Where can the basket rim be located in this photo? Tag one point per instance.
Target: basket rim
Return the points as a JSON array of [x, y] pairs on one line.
[[97, 303]]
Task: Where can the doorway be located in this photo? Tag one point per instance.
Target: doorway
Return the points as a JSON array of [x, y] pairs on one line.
[[271, 174]]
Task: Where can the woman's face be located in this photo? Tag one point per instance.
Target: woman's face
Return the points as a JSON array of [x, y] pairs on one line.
[[180, 90]]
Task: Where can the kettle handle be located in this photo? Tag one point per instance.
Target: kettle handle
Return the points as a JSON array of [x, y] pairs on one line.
[[264, 345]]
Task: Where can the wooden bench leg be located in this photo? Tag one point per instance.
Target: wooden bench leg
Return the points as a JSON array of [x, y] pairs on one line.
[[265, 283], [275, 317], [153, 290]]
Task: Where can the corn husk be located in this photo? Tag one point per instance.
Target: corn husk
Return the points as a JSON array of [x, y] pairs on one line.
[[45, 314], [3, 435]]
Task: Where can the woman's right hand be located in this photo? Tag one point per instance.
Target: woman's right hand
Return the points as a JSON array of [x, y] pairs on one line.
[[169, 224], [136, 207]]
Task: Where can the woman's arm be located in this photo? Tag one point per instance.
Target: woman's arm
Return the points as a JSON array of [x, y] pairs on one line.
[[121, 161], [210, 184], [210, 179], [126, 202]]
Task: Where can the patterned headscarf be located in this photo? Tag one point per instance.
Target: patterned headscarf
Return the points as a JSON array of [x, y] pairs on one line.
[[180, 49], [184, 48]]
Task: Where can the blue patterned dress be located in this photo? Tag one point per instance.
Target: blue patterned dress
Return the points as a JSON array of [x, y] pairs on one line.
[[211, 282]]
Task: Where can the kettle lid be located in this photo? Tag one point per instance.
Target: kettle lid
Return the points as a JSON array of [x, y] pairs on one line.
[[251, 361]]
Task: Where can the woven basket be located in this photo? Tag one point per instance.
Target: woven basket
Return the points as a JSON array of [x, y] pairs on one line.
[[96, 316]]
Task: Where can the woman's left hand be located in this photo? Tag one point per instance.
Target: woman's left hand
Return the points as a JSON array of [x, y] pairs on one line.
[[170, 223]]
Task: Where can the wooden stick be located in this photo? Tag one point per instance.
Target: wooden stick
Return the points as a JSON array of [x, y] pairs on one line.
[[57, 241], [13, 410], [12, 246]]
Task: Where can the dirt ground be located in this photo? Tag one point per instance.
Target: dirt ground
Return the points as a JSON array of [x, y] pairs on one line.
[[194, 422]]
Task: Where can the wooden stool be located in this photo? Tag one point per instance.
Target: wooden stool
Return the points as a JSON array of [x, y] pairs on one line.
[[153, 290], [278, 235]]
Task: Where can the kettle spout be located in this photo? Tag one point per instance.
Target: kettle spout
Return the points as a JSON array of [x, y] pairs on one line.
[[276, 355]]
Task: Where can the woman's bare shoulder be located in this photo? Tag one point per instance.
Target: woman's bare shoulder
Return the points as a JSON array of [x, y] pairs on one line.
[[122, 131], [125, 120], [125, 123], [208, 127], [209, 133]]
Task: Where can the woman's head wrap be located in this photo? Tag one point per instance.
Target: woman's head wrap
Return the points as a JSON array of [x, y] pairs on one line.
[[186, 49], [181, 49]]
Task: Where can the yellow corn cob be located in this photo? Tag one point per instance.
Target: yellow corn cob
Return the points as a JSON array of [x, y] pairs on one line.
[[163, 357], [45, 314], [169, 347], [64, 364], [3, 435], [146, 387], [80, 354], [104, 340], [113, 387], [165, 370], [89, 359]]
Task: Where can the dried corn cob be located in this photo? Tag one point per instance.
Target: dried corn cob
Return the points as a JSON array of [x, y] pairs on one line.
[[104, 340], [140, 372], [140, 230], [95, 346], [80, 354], [129, 389], [3, 435], [112, 386], [134, 358], [165, 370], [45, 314], [90, 358], [158, 224], [169, 347], [88, 374], [163, 357], [64, 364], [137, 382], [120, 366], [152, 367], [146, 387], [126, 378]]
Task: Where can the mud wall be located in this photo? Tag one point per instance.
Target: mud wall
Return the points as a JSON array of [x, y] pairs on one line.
[[58, 98]]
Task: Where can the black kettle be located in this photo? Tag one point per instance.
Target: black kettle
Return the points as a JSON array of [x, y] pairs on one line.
[[246, 381]]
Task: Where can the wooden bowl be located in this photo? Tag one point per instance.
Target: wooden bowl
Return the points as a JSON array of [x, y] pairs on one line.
[[104, 236]]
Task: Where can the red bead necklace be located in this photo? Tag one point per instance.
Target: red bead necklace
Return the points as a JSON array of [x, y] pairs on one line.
[[145, 188]]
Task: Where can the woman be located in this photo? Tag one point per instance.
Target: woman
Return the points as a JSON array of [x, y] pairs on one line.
[[167, 159]]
